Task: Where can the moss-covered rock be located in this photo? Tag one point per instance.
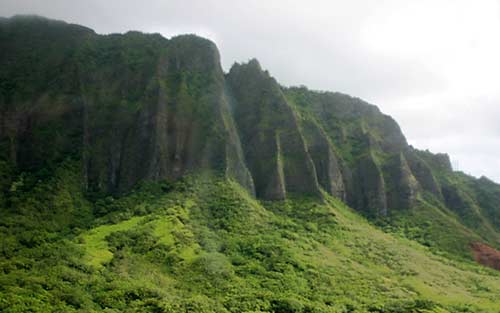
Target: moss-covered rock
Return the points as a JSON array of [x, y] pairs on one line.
[[327, 163], [274, 147], [132, 107], [370, 187], [403, 186], [423, 173]]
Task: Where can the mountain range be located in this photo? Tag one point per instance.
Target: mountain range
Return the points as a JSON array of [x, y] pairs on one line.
[[137, 176]]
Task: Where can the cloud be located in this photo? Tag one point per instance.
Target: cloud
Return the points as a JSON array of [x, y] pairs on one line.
[[432, 64]]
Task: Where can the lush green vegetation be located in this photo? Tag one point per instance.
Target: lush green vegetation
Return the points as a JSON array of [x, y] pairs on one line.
[[203, 244], [449, 210], [91, 127]]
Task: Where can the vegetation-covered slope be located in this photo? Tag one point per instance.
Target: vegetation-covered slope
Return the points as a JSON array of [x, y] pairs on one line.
[[203, 244], [136, 176]]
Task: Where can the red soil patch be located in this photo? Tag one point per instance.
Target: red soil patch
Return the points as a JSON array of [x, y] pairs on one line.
[[486, 255]]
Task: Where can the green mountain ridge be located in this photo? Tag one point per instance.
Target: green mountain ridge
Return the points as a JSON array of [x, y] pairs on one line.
[[137, 176]]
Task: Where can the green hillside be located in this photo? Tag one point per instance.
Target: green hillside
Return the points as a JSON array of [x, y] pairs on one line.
[[203, 244]]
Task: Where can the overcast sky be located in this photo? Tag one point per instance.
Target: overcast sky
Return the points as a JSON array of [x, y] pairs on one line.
[[433, 65]]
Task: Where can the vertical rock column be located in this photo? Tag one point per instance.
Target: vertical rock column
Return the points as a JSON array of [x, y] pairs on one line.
[[273, 145]]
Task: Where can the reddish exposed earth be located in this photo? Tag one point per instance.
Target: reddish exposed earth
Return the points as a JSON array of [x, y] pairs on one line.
[[486, 255]]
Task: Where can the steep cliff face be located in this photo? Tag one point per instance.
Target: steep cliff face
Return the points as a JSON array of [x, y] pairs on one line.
[[370, 187], [389, 176], [405, 188], [273, 144], [39, 102], [488, 197], [131, 107], [137, 107], [122, 111], [327, 163], [423, 173], [172, 119], [370, 147]]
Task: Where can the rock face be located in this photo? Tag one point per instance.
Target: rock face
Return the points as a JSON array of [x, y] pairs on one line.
[[405, 187], [327, 164], [370, 145], [423, 173], [370, 187], [40, 110], [137, 107], [178, 122], [488, 198], [131, 106], [273, 144]]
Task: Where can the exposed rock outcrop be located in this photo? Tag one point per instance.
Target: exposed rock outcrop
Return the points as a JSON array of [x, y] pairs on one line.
[[438, 161], [486, 255], [182, 123], [369, 187], [403, 186], [423, 173], [273, 144], [326, 161], [131, 106]]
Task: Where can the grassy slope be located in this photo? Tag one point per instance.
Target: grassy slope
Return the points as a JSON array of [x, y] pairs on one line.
[[206, 246]]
